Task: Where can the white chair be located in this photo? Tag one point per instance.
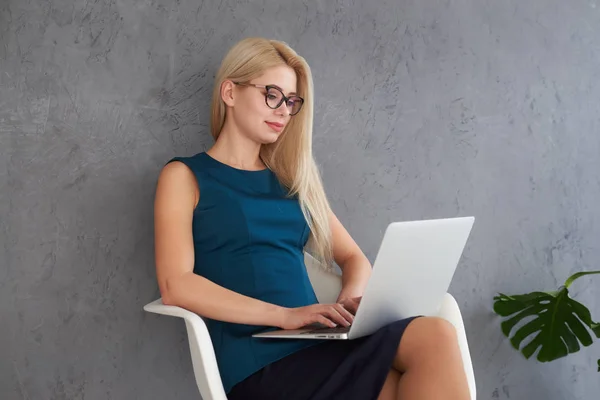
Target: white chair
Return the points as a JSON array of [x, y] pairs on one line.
[[327, 286]]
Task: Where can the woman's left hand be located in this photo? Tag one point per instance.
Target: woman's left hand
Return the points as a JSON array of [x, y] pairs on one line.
[[350, 303]]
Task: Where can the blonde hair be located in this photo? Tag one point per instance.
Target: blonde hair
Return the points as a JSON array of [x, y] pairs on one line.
[[290, 157]]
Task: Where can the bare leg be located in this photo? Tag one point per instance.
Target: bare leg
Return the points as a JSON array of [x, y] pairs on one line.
[[430, 362], [390, 386]]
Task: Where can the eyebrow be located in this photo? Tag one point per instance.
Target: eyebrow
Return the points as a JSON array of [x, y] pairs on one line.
[[289, 94]]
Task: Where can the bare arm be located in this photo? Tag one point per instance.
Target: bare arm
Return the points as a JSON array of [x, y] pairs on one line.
[[176, 197], [356, 268]]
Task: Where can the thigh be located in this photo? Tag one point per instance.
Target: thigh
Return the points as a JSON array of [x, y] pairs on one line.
[[389, 391]]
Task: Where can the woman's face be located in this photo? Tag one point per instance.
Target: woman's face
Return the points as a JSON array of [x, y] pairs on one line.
[[250, 112]]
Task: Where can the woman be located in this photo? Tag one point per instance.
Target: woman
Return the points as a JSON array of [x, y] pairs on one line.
[[231, 225]]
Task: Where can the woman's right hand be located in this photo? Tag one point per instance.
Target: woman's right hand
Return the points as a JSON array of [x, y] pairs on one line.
[[330, 315]]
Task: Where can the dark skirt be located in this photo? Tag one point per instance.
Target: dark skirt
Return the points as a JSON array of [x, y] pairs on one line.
[[335, 369]]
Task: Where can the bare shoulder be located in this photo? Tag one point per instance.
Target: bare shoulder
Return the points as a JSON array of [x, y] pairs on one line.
[[177, 181], [176, 170]]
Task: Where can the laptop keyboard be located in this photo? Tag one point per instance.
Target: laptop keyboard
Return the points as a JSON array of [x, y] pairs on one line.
[[339, 329]]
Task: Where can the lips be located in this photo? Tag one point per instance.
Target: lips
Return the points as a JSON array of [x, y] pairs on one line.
[[276, 126]]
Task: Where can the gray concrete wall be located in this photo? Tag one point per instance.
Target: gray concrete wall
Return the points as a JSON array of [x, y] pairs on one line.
[[423, 109]]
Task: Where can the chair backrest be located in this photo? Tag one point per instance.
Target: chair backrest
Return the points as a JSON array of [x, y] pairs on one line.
[[327, 285]]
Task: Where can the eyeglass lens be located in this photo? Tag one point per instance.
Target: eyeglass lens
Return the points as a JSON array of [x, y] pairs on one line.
[[274, 99]]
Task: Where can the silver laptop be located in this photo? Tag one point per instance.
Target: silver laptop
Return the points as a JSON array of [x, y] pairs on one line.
[[411, 274]]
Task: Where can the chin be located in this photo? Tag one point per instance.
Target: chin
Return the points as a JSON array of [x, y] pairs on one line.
[[269, 138]]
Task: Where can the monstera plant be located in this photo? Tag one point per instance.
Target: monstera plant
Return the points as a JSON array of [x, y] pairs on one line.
[[559, 322]]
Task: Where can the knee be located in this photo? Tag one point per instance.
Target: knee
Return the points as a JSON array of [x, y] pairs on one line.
[[441, 329], [431, 328], [427, 335]]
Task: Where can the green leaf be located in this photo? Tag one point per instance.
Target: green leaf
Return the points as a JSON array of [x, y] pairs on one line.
[[579, 330], [596, 329], [584, 314], [559, 326], [506, 305], [525, 331], [510, 323], [570, 340]]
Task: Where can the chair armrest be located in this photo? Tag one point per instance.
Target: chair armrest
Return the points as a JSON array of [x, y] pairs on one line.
[[157, 307], [450, 311], [202, 352]]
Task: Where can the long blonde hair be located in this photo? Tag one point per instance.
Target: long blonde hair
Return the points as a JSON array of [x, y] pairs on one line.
[[290, 157]]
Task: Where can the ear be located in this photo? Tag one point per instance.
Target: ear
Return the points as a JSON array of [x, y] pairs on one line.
[[227, 92]]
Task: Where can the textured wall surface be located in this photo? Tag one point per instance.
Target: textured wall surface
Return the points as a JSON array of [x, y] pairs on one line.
[[424, 109]]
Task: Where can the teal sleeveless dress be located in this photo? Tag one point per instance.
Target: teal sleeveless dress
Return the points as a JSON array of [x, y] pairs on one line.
[[249, 237]]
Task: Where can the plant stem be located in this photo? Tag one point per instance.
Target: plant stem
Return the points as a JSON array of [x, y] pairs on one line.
[[578, 275]]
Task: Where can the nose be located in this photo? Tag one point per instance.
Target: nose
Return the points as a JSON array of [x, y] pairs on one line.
[[283, 109]]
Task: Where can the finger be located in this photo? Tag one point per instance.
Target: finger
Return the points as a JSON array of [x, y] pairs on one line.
[[324, 320], [335, 316], [332, 312], [347, 315], [349, 305], [328, 311]]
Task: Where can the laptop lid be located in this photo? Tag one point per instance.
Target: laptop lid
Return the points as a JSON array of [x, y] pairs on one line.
[[412, 271]]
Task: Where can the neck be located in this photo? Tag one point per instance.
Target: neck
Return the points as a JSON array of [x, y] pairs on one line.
[[236, 149]]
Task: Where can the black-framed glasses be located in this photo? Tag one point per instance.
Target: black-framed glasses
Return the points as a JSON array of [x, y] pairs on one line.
[[274, 97]]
